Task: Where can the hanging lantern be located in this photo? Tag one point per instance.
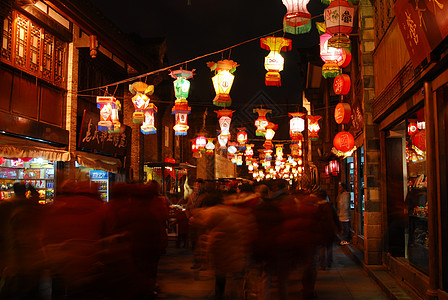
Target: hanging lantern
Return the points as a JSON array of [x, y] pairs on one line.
[[412, 128], [261, 122], [313, 127], [181, 109], [346, 57], [296, 124], [232, 148], [279, 151], [249, 150], [331, 56], [342, 84], [210, 146], [339, 23], [297, 19], [239, 159], [342, 113], [140, 90], [273, 63], [333, 167], [241, 137], [201, 141], [105, 104], [222, 81], [224, 117], [222, 140], [344, 141], [148, 126], [116, 125], [269, 135], [419, 140]]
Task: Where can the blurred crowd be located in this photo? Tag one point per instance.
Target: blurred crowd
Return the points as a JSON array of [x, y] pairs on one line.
[[80, 247], [268, 227]]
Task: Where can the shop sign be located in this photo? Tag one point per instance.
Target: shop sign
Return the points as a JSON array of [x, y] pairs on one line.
[[98, 175], [8, 173], [423, 25], [102, 141]]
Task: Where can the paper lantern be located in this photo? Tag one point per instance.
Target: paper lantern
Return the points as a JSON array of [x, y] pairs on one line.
[[344, 141], [412, 128], [116, 125], [279, 151], [140, 99], [201, 141], [342, 113], [105, 104], [313, 127], [296, 124], [249, 150], [419, 140], [331, 56], [181, 109], [261, 122], [210, 146], [297, 19], [346, 57], [339, 23], [269, 135], [148, 126], [222, 81], [180, 119], [224, 119], [232, 148], [222, 140], [181, 84], [273, 63], [342, 84], [241, 137], [333, 167]]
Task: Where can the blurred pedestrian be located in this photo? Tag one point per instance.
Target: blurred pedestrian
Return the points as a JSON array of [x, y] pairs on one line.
[[344, 212]]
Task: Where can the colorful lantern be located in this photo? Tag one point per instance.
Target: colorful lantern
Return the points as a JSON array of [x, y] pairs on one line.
[[232, 148], [241, 137], [148, 126], [222, 81], [249, 150], [279, 151], [331, 56], [140, 90], [342, 113], [296, 124], [297, 19], [210, 146], [261, 122], [313, 127], [224, 117], [342, 84], [201, 141], [269, 135], [106, 105], [116, 125], [222, 140], [339, 23], [344, 141], [273, 63], [181, 109]]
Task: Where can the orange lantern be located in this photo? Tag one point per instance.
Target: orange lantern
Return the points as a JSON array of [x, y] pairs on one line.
[[222, 81], [419, 140], [241, 137], [344, 141], [222, 140], [342, 113], [342, 84], [249, 150], [269, 135], [224, 118], [313, 127], [140, 100], [105, 104], [339, 17], [273, 63], [261, 122]]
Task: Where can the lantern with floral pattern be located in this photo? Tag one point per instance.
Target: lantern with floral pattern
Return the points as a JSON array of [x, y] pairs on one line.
[[339, 17]]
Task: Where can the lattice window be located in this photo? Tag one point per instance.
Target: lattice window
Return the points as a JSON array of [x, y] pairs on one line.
[[35, 45], [47, 70], [21, 40], [7, 38], [59, 59]]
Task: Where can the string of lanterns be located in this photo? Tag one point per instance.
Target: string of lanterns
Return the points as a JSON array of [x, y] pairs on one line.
[[335, 52]]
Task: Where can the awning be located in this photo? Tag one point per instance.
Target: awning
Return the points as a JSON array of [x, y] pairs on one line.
[[11, 147], [99, 162]]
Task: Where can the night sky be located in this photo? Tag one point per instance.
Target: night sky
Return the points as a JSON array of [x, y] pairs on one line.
[[197, 27]]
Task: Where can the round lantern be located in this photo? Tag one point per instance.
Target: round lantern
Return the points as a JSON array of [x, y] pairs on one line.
[[342, 84], [346, 58], [344, 141], [241, 136], [412, 128], [419, 140], [342, 113]]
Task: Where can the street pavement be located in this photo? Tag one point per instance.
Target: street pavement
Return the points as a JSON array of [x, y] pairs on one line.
[[345, 280]]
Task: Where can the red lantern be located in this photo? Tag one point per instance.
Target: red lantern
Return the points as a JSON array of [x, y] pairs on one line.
[[261, 122], [346, 58], [241, 136], [342, 113], [342, 84], [344, 141], [313, 127], [419, 140], [334, 167], [412, 128]]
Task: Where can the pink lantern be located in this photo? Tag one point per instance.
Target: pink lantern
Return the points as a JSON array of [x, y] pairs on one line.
[[297, 19], [331, 56], [201, 141]]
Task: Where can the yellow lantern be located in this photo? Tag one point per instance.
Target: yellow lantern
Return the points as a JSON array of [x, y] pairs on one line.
[[140, 90], [210, 146], [222, 81], [269, 135], [273, 63]]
